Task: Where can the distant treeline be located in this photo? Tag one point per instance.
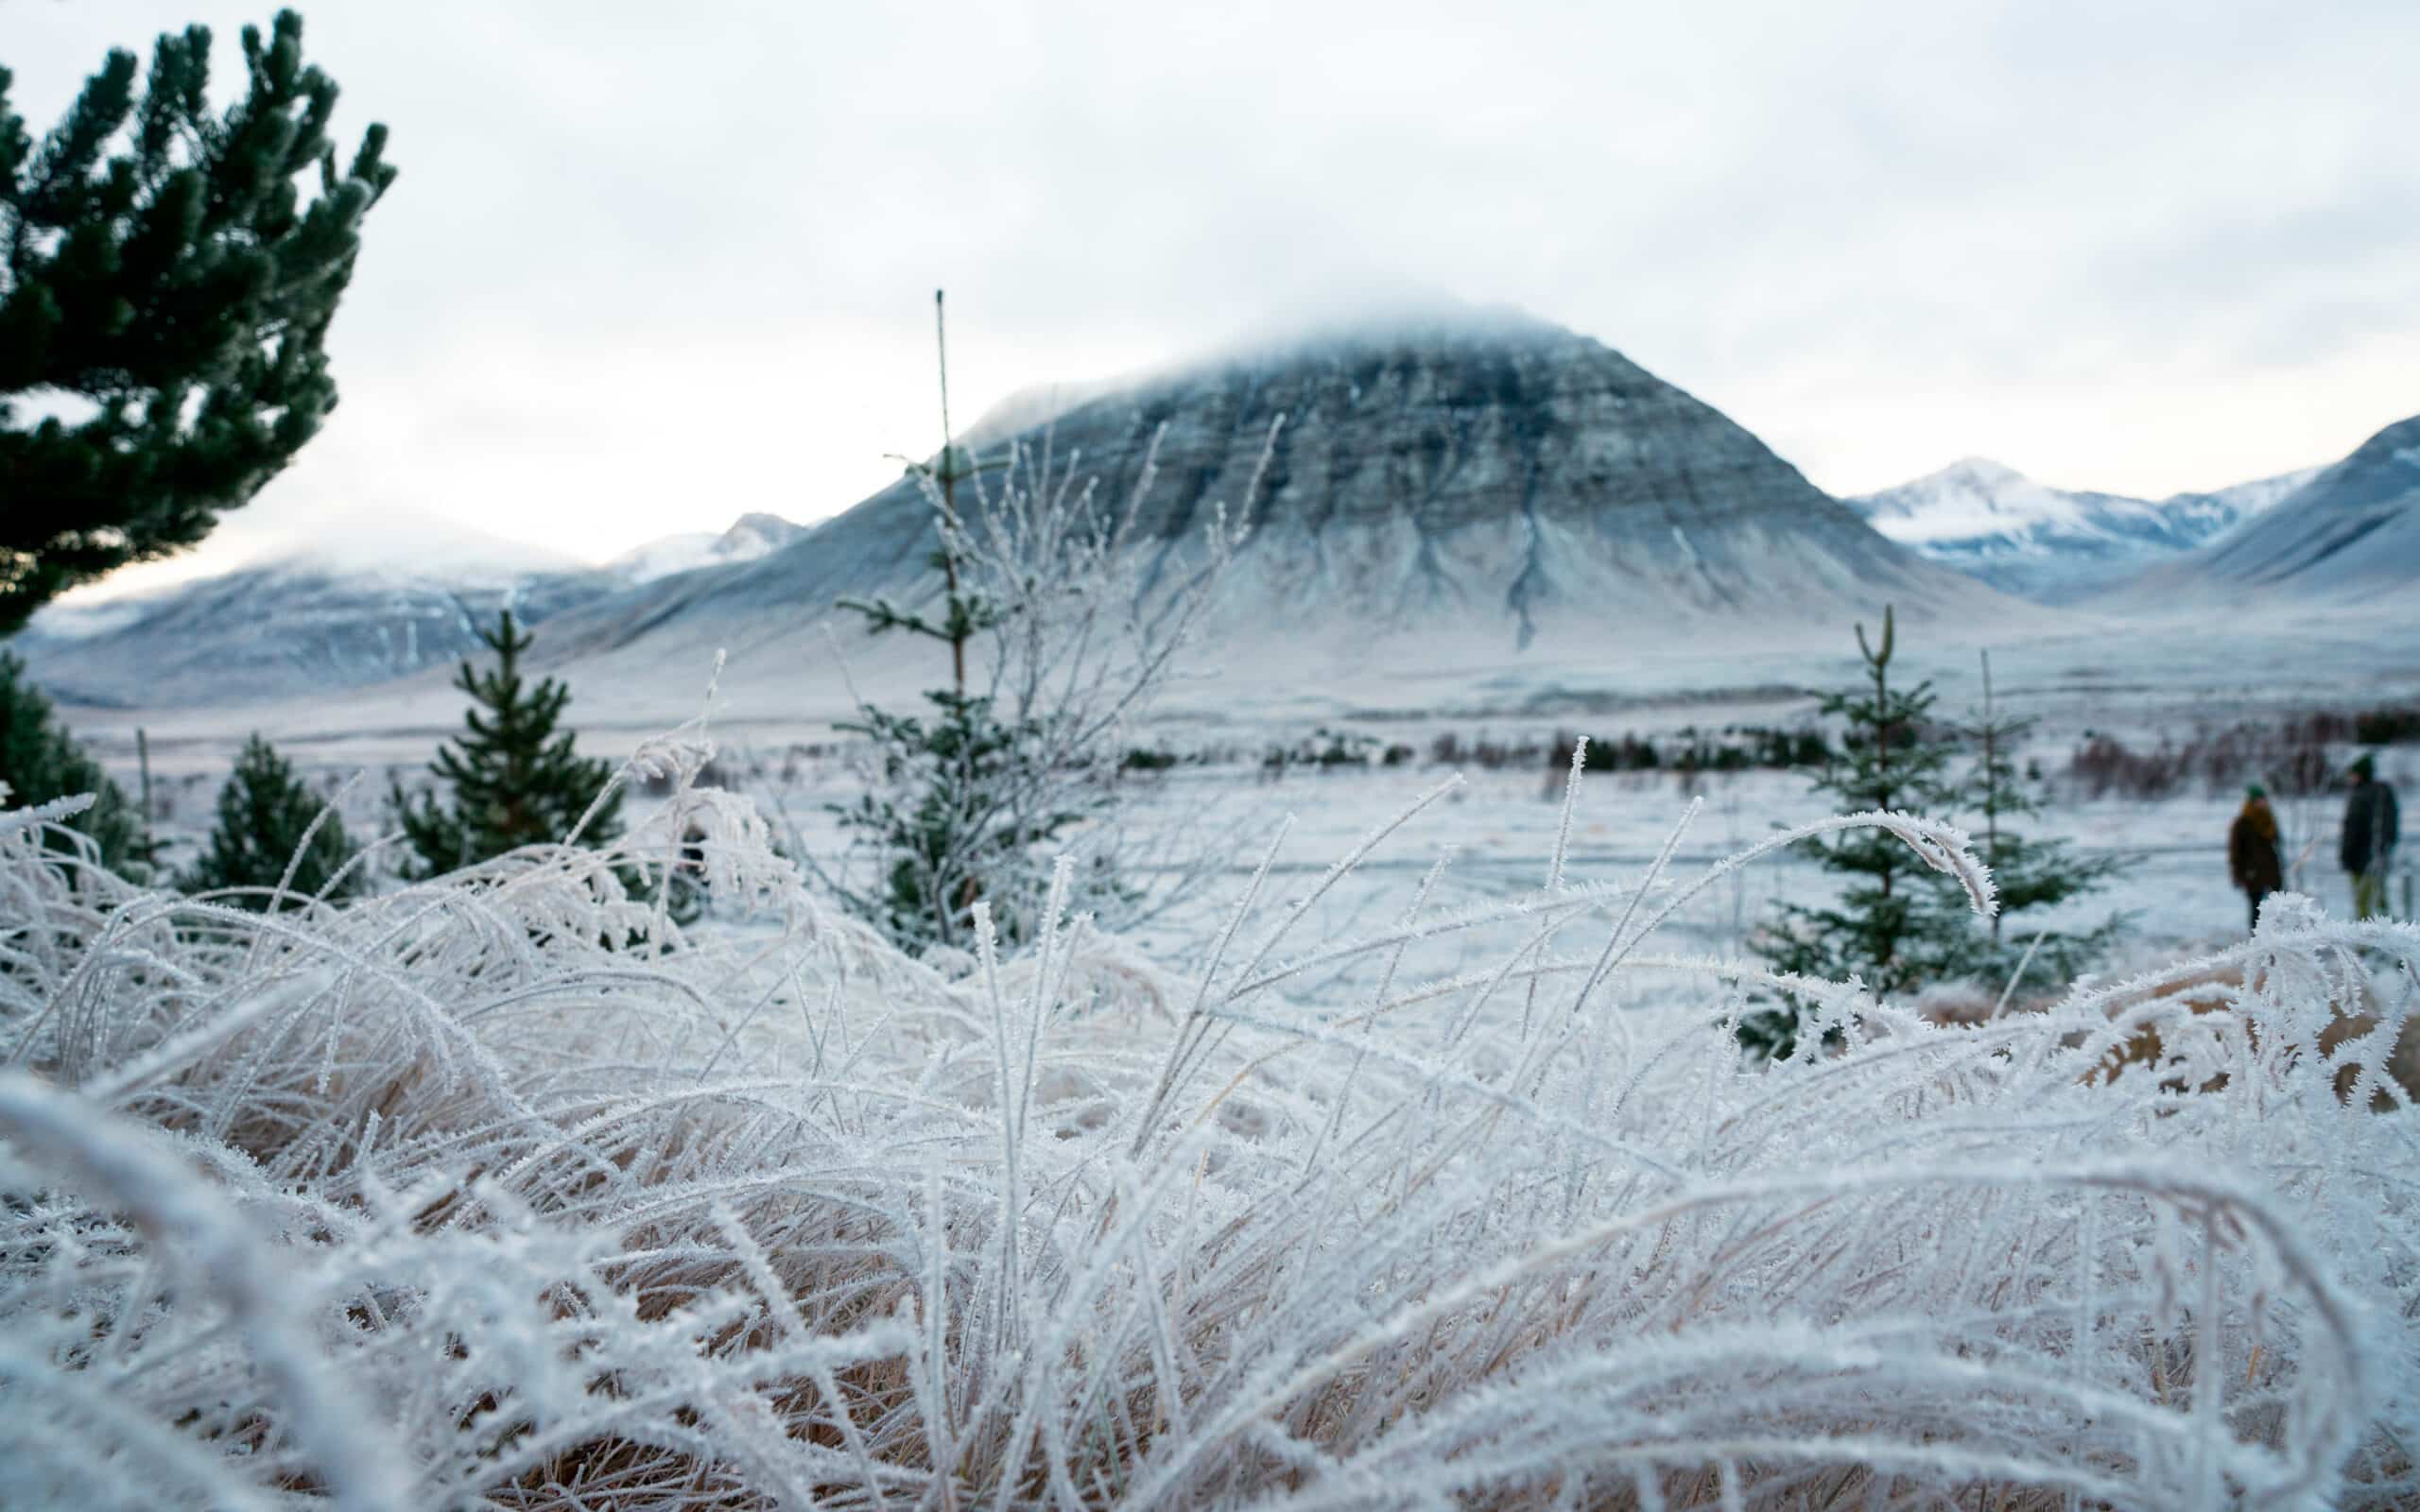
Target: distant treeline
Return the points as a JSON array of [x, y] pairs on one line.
[[1687, 751], [2293, 757]]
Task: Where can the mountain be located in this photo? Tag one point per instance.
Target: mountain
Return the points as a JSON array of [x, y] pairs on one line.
[[1456, 490], [2055, 544], [2350, 537], [381, 600], [1470, 496], [313, 622], [750, 537]]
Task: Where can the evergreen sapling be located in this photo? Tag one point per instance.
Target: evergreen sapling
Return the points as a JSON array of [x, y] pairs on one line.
[[1885, 929], [41, 761], [513, 778], [938, 820], [275, 839], [1021, 753], [2031, 874]]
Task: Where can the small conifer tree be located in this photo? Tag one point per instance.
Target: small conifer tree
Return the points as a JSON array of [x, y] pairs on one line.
[[1019, 756], [513, 778], [2030, 873], [269, 821], [944, 822], [1881, 930], [39, 760]]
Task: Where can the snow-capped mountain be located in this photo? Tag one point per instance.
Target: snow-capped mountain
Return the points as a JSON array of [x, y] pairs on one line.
[[750, 537], [2349, 538], [344, 613], [379, 600], [2055, 544], [1465, 492]]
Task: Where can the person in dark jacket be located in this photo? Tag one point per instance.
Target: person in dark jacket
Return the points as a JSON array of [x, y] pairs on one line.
[[2252, 850], [2371, 826]]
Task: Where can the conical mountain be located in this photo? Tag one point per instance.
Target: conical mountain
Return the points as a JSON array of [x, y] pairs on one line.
[[1478, 479]]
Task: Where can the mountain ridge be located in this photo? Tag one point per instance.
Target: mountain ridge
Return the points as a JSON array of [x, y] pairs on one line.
[[354, 611], [2056, 545], [1471, 489], [2350, 537]]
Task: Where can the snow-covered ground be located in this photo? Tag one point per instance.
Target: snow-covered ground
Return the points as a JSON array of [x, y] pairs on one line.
[[1500, 828], [447, 1198], [2140, 682], [1339, 1213]]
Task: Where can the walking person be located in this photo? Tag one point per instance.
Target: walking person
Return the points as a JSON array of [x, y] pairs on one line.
[[2252, 850], [2371, 826]]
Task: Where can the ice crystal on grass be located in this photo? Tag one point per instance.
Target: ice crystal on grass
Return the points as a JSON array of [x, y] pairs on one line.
[[504, 1190]]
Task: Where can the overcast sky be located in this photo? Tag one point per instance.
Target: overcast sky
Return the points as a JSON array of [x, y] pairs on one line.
[[653, 264]]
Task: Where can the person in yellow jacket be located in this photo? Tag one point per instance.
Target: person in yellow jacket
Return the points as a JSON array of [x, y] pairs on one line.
[[2252, 850]]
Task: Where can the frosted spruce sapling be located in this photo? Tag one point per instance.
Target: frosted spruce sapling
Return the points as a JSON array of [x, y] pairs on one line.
[[1019, 757], [942, 822], [276, 842], [2031, 874], [41, 761], [512, 778], [1891, 758], [163, 271]]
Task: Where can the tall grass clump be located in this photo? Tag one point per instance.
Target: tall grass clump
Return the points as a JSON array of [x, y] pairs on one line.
[[449, 1197]]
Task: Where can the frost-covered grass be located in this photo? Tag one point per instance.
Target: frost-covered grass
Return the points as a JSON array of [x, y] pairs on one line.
[[449, 1198]]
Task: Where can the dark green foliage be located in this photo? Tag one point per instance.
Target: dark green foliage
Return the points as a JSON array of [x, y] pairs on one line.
[[161, 267], [2386, 726], [39, 760], [942, 834], [966, 804], [2029, 874], [1891, 759], [513, 778], [1324, 749], [265, 814], [966, 798], [1688, 750], [1900, 925]]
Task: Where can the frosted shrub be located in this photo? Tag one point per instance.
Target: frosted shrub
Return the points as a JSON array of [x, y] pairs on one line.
[[449, 1197], [1062, 629]]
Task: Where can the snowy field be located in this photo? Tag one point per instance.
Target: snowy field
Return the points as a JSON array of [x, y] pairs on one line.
[[2144, 687], [495, 1214], [1500, 825]]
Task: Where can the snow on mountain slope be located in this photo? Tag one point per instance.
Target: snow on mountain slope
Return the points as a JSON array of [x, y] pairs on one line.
[[295, 626], [2349, 538], [750, 537], [409, 547], [2258, 496], [2055, 544], [375, 601], [1974, 498]]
